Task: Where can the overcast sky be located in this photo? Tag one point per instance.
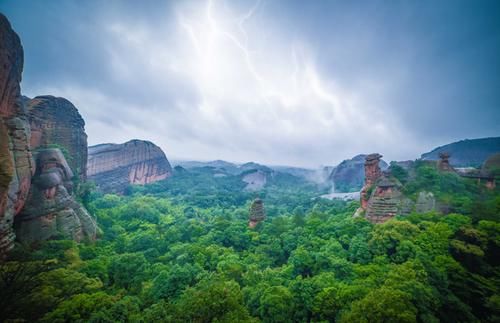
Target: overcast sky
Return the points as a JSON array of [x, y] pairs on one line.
[[303, 83]]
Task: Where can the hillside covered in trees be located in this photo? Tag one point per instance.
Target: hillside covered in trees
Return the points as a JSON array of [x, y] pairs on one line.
[[166, 256]]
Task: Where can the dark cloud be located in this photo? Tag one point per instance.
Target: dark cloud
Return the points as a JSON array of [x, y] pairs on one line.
[[283, 82]]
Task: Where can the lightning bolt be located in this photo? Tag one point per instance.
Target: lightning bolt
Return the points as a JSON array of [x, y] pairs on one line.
[[302, 74]]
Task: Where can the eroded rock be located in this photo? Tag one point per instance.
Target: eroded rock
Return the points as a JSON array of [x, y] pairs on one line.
[[372, 174], [51, 211], [443, 163], [15, 157], [381, 198], [255, 180], [385, 200], [56, 121], [113, 167]]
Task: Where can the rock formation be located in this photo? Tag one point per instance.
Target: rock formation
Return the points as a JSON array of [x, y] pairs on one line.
[[51, 211], [56, 121], [39, 206], [372, 173], [443, 163], [349, 175], [256, 180], [381, 198], [113, 167], [257, 213], [15, 156], [490, 170], [385, 200]]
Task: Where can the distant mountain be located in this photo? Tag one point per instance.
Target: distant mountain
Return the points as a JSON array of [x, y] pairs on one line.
[[309, 174], [223, 166], [254, 166], [468, 152], [213, 163]]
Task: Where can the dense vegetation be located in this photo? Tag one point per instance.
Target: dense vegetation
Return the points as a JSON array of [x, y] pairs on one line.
[[181, 251]]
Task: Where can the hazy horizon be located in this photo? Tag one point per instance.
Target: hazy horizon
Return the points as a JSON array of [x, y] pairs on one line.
[[276, 82]]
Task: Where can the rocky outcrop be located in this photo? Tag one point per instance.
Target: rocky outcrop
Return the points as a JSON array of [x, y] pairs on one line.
[[385, 200], [257, 213], [443, 163], [15, 157], [56, 122], [255, 180], [381, 197], [372, 174], [51, 211], [349, 175], [36, 201], [113, 167], [490, 171]]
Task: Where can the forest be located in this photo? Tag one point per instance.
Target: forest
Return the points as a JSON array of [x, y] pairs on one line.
[[221, 161], [180, 250]]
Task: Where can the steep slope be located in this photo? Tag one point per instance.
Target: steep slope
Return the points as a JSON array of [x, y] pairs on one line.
[[36, 197], [468, 152], [51, 210], [115, 166], [15, 156], [56, 121]]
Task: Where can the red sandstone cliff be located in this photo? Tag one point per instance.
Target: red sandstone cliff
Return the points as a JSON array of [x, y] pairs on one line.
[[56, 121], [36, 197], [15, 156], [115, 166]]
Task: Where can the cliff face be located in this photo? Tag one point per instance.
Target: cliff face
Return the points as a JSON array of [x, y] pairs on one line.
[[372, 174], [51, 210], [382, 195], [35, 197], [56, 121], [115, 166], [15, 157]]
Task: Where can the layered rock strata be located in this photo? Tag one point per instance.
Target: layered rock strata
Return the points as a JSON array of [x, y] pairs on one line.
[[35, 196], [385, 200], [113, 167], [15, 157], [372, 173], [381, 197], [51, 211], [56, 122]]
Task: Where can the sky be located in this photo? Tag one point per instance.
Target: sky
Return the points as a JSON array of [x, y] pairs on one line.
[[302, 83]]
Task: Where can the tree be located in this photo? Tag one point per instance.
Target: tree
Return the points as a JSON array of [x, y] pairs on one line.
[[382, 305], [212, 301], [276, 304], [128, 271], [171, 284]]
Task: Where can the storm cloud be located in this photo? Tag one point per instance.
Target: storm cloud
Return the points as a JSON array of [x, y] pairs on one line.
[[281, 82]]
